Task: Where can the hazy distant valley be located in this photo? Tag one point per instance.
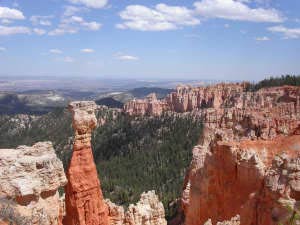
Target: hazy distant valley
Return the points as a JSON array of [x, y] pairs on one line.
[[39, 96]]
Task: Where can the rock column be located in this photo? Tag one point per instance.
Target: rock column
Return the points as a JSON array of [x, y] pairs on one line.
[[84, 200]]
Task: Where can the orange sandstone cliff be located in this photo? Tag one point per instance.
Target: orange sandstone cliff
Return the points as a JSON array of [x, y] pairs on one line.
[[84, 200], [247, 162]]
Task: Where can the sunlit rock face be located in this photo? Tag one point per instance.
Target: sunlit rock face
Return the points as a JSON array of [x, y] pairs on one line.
[[233, 221], [148, 211], [149, 106], [187, 99], [255, 177], [29, 182], [218, 97], [247, 161], [84, 200]]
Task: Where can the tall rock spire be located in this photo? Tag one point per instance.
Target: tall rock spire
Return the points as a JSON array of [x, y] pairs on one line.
[[84, 200]]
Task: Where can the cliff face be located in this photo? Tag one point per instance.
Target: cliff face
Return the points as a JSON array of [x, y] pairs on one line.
[[249, 178], [220, 96], [29, 180], [84, 200], [149, 106], [247, 162], [186, 99]]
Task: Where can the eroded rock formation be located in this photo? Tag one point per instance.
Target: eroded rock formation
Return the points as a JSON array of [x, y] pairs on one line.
[[84, 200], [234, 221], [29, 182], [247, 162], [220, 96], [148, 211], [249, 177], [149, 106]]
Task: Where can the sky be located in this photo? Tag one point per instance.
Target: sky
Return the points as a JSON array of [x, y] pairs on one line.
[[145, 39]]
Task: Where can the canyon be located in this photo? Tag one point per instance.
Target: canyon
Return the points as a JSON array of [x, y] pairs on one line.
[[244, 170], [246, 165]]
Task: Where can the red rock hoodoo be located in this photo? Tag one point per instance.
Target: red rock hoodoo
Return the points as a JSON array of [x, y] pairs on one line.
[[84, 200]]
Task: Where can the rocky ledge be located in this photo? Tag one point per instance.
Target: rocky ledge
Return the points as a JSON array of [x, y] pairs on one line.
[[29, 182]]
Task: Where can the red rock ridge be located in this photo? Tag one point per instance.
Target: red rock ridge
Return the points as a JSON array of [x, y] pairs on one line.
[[188, 99], [84, 200], [247, 162]]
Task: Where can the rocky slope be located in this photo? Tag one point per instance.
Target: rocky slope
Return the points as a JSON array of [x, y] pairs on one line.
[[29, 182]]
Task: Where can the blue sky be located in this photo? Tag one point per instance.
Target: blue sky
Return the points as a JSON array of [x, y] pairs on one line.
[[201, 39]]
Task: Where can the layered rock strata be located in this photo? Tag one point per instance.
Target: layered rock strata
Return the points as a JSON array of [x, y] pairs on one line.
[[148, 211], [257, 179], [220, 96], [149, 106], [84, 200], [29, 182]]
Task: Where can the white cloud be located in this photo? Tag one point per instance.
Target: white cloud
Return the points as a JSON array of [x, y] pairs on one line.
[[5, 30], [73, 24], [63, 30], [91, 3], [71, 10], [68, 59], [41, 20], [13, 14], [2, 49], [55, 51], [125, 57], [264, 38], [39, 31], [87, 50], [6, 21], [162, 17], [236, 10], [287, 32]]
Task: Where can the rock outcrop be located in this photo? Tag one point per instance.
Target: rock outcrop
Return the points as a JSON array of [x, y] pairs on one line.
[[220, 96], [29, 182], [251, 178], [148, 211], [84, 200], [149, 106], [247, 162], [234, 221]]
